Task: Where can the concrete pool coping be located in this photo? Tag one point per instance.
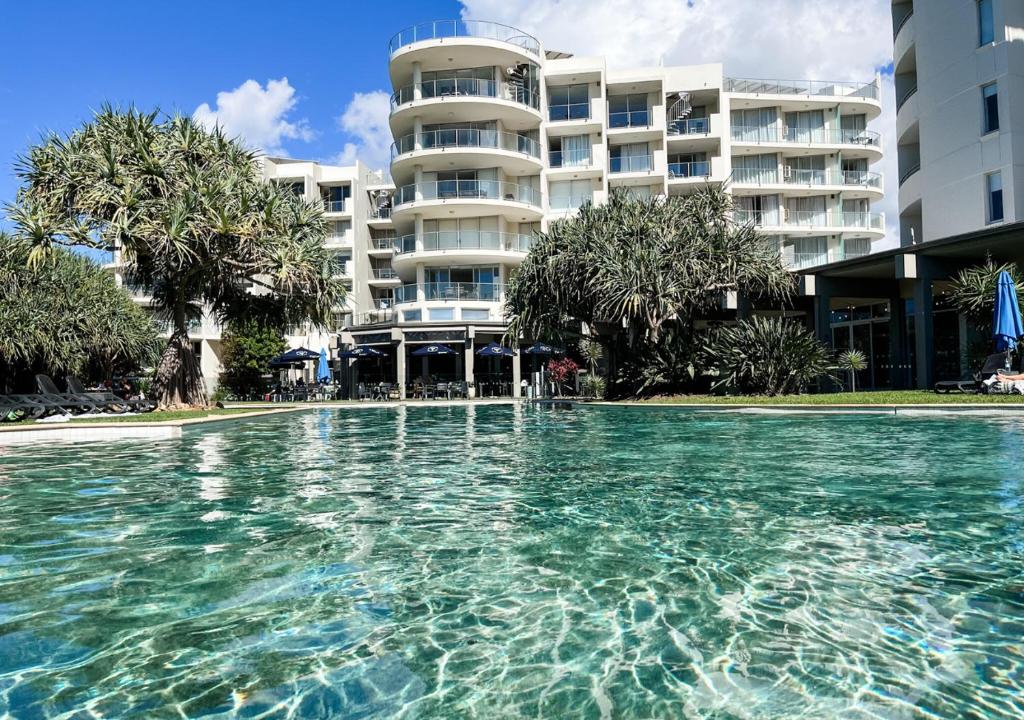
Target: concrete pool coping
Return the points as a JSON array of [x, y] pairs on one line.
[[829, 409]]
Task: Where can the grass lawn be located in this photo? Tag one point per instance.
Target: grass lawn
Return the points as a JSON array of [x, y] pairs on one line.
[[881, 397]]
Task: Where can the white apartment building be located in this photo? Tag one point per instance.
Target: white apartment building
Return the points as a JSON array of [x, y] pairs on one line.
[[959, 73], [495, 138]]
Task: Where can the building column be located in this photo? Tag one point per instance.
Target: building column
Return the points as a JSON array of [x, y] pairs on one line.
[[421, 290], [469, 366], [924, 333], [517, 373], [417, 129], [417, 78], [400, 367]]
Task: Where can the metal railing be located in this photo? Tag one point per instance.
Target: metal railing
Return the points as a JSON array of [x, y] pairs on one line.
[[810, 218], [910, 171], [380, 213], [631, 163], [569, 158], [700, 168], [566, 203], [335, 206], [904, 96], [378, 177], [384, 243], [465, 137], [810, 136], [384, 273], [569, 111], [796, 176], [690, 126], [464, 87], [405, 293], [439, 29], [463, 291], [465, 240], [631, 118], [752, 86], [469, 190], [375, 317]]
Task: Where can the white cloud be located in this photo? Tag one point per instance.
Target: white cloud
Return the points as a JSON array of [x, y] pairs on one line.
[[782, 39], [366, 119], [256, 115]]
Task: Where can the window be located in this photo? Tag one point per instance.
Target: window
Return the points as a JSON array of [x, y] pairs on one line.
[[628, 111], [986, 23], [569, 194], [571, 151], [472, 314], [570, 102], [412, 315], [442, 314], [994, 187], [990, 106], [634, 157]]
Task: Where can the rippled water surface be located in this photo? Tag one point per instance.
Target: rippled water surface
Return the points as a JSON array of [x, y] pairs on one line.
[[500, 562]]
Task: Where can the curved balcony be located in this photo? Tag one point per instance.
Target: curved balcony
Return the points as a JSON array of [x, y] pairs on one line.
[[472, 247], [904, 37], [467, 149], [810, 222], [855, 143], [468, 198], [794, 181], [866, 95], [450, 292], [477, 100], [462, 29]]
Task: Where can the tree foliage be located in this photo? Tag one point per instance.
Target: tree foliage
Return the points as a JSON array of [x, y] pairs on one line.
[[973, 293], [641, 272], [66, 316], [248, 346], [192, 220], [765, 356]]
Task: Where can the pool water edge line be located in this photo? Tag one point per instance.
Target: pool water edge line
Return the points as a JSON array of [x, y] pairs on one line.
[[1016, 409]]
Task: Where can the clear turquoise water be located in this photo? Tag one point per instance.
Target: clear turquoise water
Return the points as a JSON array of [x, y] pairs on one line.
[[498, 562]]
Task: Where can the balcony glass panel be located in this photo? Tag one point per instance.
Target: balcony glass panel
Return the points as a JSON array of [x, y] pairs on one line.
[[689, 169], [463, 291], [440, 29], [631, 163], [467, 189]]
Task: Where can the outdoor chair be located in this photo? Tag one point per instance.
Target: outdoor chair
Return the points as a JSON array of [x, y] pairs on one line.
[[107, 400], [361, 392], [429, 391], [442, 390], [976, 383], [69, 401], [13, 409]]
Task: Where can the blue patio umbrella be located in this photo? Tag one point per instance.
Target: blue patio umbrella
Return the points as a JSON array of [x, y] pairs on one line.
[[1007, 326], [493, 349], [427, 350], [323, 369], [540, 348], [298, 355], [362, 351]]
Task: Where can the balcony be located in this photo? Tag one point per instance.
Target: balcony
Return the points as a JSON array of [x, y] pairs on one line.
[[490, 292], [771, 134], [680, 170], [464, 240], [825, 220], [811, 178], [801, 261], [464, 88], [383, 244], [904, 96], [571, 111], [569, 203], [381, 214], [691, 126], [440, 198], [335, 240], [383, 276], [444, 29], [466, 138], [812, 88], [906, 174], [569, 158], [629, 119], [631, 164], [336, 206], [374, 317]]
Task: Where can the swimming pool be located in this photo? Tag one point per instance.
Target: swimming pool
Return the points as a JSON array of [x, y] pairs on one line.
[[499, 561]]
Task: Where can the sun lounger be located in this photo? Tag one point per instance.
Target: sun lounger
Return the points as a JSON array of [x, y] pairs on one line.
[[69, 401], [993, 364], [107, 399], [17, 407]]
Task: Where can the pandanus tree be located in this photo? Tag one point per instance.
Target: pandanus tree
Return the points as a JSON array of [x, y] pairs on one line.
[[646, 268], [65, 316], [189, 218]]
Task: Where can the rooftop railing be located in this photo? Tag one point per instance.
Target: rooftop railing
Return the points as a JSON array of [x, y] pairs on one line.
[[811, 136], [440, 29], [826, 88], [468, 190], [466, 137], [464, 87]]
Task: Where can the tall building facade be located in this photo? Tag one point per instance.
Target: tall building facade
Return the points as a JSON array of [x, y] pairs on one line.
[[959, 74]]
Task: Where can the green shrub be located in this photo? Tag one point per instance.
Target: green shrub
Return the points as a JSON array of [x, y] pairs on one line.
[[765, 356], [592, 386]]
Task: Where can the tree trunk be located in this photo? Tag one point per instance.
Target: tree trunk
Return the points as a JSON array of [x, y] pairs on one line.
[[179, 379]]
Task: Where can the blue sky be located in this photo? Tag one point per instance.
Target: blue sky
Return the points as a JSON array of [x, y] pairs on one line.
[[178, 55]]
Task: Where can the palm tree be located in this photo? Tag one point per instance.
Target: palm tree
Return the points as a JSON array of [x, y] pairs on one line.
[[852, 361], [191, 219]]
